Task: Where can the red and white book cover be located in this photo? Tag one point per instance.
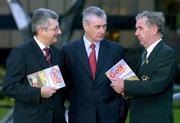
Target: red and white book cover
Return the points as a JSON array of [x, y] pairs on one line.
[[121, 70], [48, 77]]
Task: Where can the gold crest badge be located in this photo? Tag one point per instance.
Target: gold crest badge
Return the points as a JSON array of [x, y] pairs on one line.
[[144, 78]]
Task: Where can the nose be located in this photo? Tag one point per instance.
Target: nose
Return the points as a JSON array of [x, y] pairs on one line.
[[136, 33], [59, 31], [103, 29]]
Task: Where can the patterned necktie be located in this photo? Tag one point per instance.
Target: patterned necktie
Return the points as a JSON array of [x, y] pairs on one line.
[[143, 57], [92, 60], [47, 55]]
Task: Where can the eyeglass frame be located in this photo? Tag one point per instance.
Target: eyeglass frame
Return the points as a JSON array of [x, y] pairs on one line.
[[55, 29]]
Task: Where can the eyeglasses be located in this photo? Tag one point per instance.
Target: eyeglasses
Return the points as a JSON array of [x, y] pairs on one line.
[[53, 29]]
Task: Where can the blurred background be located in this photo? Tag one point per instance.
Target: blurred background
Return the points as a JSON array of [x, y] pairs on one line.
[[15, 19]]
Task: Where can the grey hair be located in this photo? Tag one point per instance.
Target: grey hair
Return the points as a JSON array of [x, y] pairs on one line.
[[40, 19], [93, 11], [154, 18]]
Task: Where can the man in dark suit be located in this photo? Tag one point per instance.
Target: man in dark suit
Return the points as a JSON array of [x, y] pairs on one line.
[[35, 104], [92, 100], [152, 94]]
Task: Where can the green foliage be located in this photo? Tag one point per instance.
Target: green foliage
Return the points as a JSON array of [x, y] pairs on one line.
[[176, 104], [5, 105], [3, 112], [2, 73], [176, 115]]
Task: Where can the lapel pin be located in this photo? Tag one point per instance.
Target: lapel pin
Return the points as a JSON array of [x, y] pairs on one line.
[[145, 78]]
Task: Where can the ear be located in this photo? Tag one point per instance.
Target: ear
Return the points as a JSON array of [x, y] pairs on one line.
[[85, 25], [41, 31], [154, 30]]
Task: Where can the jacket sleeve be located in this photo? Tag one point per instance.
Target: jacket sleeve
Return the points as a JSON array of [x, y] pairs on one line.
[[15, 83], [160, 73]]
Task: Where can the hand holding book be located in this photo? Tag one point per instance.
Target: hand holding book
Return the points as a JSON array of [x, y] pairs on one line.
[[121, 70], [118, 73], [118, 85], [47, 92], [50, 77]]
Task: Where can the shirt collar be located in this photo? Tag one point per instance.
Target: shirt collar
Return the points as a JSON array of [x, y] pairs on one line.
[[41, 45], [151, 47], [88, 43]]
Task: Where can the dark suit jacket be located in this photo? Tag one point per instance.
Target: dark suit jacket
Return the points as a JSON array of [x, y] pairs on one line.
[[30, 107], [152, 96], [91, 98]]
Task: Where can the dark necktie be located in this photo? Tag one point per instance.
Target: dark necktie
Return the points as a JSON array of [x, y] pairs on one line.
[[92, 60], [143, 57], [47, 55]]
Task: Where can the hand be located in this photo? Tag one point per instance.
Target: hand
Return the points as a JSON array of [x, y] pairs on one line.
[[36, 85], [118, 86], [47, 92]]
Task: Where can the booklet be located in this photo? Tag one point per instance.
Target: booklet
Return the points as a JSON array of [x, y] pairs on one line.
[[48, 77], [121, 70]]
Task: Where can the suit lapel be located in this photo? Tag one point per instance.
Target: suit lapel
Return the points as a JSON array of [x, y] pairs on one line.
[[82, 55], [138, 65], [151, 57], [103, 53], [38, 55], [53, 55]]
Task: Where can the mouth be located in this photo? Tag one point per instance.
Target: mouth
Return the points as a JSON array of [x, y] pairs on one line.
[[139, 38], [56, 36], [101, 36]]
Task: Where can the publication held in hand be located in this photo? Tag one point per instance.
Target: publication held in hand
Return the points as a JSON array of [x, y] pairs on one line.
[[121, 70], [48, 77]]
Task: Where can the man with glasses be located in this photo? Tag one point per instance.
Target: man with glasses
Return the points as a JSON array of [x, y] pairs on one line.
[[35, 104]]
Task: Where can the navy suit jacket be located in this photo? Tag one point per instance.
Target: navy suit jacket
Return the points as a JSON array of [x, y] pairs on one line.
[[30, 107], [152, 96], [91, 98]]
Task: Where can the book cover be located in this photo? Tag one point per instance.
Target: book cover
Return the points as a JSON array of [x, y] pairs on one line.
[[48, 77], [121, 70]]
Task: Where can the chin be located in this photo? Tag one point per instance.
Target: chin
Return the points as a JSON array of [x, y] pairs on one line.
[[100, 39], [55, 40]]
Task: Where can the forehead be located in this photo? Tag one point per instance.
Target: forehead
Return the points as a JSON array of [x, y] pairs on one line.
[[97, 20], [141, 22], [53, 21]]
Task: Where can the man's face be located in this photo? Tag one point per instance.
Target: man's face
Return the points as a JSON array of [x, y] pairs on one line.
[[50, 35], [143, 32], [95, 29]]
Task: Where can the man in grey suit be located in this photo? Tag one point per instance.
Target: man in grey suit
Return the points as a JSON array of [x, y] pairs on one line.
[[35, 104], [152, 95], [85, 62]]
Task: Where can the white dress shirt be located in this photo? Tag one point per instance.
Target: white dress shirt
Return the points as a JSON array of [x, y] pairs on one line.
[[88, 48], [151, 47], [41, 45]]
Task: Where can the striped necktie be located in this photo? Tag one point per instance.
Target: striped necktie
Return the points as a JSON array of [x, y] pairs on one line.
[[143, 57], [47, 55]]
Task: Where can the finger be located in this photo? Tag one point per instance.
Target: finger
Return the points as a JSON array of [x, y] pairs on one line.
[[53, 88]]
